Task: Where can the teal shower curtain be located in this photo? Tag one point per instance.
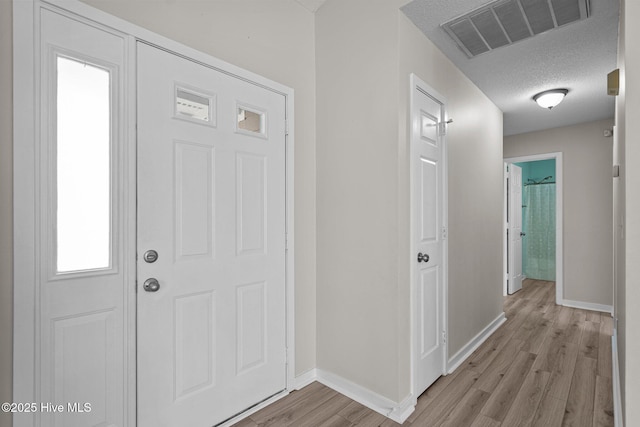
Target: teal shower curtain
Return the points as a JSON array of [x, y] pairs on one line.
[[540, 240]]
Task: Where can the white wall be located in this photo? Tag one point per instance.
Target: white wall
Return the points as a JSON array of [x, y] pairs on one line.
[[6, 208], [587, 201], [365, 52]]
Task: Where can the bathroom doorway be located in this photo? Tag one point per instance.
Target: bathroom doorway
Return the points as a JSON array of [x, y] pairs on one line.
[[541, 224]]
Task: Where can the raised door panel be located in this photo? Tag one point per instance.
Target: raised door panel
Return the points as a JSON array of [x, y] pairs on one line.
[[194, 343], [251, 172], [429, 295], [251, 314], [82, 369], [194, 200], [429, 205]]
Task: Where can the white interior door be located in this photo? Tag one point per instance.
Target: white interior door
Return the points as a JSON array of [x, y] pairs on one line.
[[428, 167], [515, 228], [211, 204]]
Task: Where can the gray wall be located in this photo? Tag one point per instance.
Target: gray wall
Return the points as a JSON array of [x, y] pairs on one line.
[[587, 201], [627, 207], [632, 214], [357, 122], [365, 52], [6, 209], [619, 245]]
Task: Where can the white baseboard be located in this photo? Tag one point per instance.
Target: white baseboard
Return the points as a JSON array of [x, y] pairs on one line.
[[457, 359], [398, 412], [305, 379], [587, 306], [617, 396]]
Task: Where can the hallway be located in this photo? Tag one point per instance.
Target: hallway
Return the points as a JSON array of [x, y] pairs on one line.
[[546, 366]]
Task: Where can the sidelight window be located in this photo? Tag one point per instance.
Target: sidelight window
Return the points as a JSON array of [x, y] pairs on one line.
[[83, 205]]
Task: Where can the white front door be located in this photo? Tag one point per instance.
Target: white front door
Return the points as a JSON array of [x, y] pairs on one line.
[[514, 217], [211, 205], [428, 232]]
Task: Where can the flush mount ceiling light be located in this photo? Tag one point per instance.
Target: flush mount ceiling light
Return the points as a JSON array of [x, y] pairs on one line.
[[550, 98]]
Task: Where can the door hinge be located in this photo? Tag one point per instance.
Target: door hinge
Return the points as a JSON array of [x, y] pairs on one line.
[[444, 232], [444, 336], [286, 127], [286, 242]]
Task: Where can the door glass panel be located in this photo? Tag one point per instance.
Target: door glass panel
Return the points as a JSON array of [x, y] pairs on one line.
[[193, 106], [251, 121], [83, 178]]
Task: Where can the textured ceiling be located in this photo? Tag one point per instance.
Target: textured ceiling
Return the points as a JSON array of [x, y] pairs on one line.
[[577, 57]]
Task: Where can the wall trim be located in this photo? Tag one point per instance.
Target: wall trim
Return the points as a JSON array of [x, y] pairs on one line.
[[617, 395], [466, 351], [398, 412], [587, 306], [303, 380]]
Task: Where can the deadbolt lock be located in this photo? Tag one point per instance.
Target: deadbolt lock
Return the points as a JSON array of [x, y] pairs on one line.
[[150, 256]]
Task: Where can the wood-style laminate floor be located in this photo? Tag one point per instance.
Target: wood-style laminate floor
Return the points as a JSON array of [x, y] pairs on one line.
[[546, 366]]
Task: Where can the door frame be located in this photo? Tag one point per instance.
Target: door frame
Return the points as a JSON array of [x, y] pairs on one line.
[[557, 156], [415, 84], [28, 210]]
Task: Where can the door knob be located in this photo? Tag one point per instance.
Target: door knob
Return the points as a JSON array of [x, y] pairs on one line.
[[423, 257], [151, 285]]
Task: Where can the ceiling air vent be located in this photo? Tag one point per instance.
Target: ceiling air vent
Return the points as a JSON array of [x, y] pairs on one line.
[[505, 22]]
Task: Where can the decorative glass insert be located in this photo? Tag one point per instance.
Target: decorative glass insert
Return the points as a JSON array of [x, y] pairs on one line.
[[83, 167], [251, 121], [193, 106]]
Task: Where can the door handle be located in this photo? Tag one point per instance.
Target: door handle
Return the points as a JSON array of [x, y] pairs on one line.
[[423, 257], [522, 234], [151, 285]]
